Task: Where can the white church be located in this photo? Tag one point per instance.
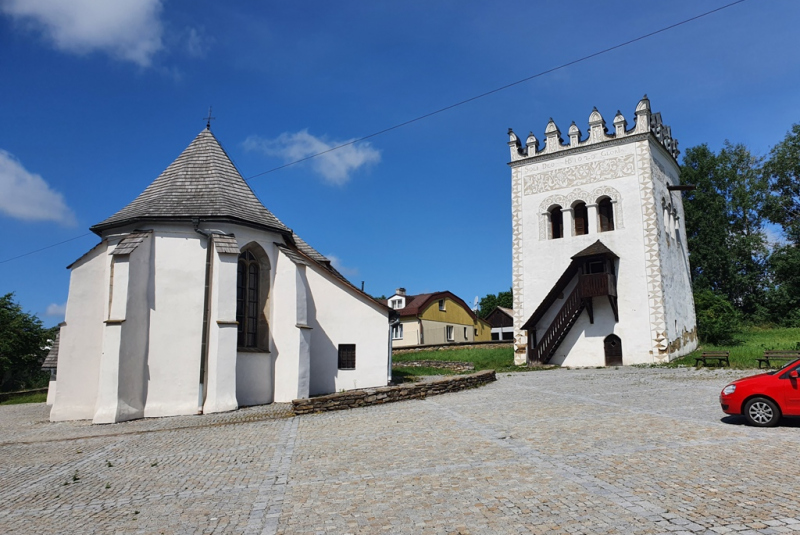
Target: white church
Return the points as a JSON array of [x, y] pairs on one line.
[[600, 265], [199, 300]]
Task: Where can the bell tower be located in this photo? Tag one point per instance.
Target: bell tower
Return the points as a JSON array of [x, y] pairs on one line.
[[610, 200]]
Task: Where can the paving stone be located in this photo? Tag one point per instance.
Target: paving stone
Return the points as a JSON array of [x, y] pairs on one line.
[[623, 451]]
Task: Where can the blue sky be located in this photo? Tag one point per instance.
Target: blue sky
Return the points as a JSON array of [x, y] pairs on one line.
[[99, 97]]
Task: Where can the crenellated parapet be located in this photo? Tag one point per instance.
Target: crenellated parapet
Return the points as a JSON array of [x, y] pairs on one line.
[[644, 121]]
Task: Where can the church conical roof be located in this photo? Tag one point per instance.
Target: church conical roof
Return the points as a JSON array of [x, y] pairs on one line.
[[201, 183]]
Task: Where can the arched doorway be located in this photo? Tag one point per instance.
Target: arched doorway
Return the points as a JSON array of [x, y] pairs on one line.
[[613, 350]]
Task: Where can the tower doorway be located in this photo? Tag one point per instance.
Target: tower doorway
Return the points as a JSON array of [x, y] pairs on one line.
[[613, 350]]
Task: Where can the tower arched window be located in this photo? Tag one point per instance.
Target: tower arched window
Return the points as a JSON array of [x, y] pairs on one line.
[[605, 210], [581, 217], [556, 222]]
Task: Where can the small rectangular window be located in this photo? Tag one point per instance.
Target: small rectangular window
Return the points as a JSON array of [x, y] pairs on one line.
[[397, 332], [441, 305], [465, 333], [450, 333], [347, 356]]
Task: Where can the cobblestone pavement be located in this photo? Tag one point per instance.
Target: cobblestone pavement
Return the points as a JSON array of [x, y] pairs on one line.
[[562, 451]]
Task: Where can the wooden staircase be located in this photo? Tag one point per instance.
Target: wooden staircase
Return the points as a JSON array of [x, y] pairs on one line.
[[588, 287], [561, 325]]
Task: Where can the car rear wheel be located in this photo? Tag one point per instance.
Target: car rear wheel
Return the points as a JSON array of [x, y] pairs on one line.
[[762, 412]]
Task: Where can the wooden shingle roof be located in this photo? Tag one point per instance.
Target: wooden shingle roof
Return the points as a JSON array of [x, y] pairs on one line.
[[51, 361], [201, 183]]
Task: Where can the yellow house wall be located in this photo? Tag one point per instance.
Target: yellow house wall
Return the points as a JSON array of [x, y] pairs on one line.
[[435, 332], [484, 331], [453, 314]]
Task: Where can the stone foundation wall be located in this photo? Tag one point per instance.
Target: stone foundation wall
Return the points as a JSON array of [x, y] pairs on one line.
[[390, 394], [491, 344], [438, 364]]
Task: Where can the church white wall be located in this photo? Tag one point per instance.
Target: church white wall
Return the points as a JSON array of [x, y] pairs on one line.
[[255, 376], [176, 322], [339, 316], [285, 333], [222, 335], [81, 339], [255, 370]]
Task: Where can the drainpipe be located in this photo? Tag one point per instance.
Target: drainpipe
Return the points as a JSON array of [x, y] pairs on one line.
[[392, 322], [201, 399]]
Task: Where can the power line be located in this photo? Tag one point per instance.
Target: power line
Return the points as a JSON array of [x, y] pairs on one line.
[[43, 248], [450, 107], [497, 90]]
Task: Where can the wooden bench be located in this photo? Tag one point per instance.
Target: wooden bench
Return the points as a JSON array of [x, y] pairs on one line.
[[717, 357], [777, 357]]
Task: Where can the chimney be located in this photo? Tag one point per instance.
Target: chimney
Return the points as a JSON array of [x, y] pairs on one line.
[[400, 291]]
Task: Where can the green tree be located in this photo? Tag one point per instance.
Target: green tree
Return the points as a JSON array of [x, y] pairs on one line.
[[783, 169], [23, 340], [717, 320], [724, 216], [783, 300], [492, 301]]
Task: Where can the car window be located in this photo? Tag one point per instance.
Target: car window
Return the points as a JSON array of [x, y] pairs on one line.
[[792, 364]]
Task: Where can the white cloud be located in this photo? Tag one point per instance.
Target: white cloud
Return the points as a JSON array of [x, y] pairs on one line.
[[54, 309], [335, 167], [25, 195], [129, 30], [336, 262]]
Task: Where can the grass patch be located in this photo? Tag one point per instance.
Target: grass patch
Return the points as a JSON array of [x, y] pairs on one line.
[[749, 345], [40, 397], [500, 359]]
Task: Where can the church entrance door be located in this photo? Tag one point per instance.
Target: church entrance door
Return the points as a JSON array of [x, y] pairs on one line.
[[613, 349]]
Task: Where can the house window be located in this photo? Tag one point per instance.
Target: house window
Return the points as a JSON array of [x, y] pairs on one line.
[[247, 278], [581, 219], [465, 333], [556, 223], [606, 212], [441, 305], [449, 331], [396, 303], [397, 331], [347, 356], [476, 332]]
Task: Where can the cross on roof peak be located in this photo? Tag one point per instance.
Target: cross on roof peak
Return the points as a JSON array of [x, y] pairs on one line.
[[209, 119]]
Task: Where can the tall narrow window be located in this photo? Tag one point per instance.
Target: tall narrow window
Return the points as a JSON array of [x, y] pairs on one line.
[[247, 277], [556, 223], [347, 356], [581, 219], [449, 333], [606, 211]]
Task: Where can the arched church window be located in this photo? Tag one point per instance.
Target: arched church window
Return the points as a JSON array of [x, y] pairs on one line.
[[556, 222], [247, 298], [581, 217], [606, 212]]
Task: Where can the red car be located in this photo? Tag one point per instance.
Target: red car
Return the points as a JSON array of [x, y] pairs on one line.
[[764, 398]]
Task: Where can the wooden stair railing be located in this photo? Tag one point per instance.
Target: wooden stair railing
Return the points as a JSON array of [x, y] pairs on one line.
[[562, 323]]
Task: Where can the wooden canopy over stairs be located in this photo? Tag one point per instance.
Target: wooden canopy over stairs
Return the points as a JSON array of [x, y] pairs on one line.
[[594, 267]]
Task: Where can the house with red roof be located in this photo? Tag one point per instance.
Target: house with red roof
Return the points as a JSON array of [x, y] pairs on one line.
[[437, 318]]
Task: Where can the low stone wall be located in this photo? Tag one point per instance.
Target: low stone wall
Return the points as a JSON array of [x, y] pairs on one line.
[[438, 364], [390, 394], [489, 344]]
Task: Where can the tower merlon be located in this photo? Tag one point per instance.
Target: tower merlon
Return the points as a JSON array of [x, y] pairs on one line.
[[645, 121]]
